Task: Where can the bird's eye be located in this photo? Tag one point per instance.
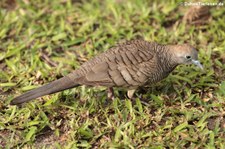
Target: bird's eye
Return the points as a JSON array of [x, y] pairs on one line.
[[188, 57]]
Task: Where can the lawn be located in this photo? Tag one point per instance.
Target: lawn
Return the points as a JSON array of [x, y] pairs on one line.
[[43, 40]]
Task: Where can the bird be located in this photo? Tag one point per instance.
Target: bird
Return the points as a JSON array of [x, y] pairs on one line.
[[128, 65]]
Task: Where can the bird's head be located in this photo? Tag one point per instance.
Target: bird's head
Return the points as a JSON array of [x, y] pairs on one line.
[[185, 54]]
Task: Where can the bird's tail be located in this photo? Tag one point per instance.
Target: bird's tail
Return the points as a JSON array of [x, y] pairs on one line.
[[53, 87]]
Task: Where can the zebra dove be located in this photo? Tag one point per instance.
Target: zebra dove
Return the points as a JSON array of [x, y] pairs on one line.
[[129, 65]]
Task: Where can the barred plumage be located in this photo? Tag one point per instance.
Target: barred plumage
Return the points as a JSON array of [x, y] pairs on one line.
[[129, 65]]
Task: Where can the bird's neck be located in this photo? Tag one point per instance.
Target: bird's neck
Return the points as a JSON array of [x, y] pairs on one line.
[[165, 57]]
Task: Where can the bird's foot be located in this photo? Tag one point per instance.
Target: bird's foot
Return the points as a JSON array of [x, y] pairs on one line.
[[110, 93], [130, 93]]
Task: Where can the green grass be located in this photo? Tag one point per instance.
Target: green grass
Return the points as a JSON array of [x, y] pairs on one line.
[[42, 40]]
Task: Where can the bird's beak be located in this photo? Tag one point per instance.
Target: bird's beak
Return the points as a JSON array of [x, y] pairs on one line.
[[197, 63]]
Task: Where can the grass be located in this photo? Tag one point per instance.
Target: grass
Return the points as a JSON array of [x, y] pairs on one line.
[[43, 40]]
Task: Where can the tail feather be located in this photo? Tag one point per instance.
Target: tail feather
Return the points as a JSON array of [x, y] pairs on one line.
[[53, 87]]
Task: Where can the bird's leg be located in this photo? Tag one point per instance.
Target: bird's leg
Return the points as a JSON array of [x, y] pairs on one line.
[[130, 93], [110, 93]]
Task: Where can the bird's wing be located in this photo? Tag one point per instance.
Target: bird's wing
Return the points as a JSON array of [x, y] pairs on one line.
[[121, 69]]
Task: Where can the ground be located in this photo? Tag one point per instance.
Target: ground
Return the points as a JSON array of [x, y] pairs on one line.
[[42, 40]]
